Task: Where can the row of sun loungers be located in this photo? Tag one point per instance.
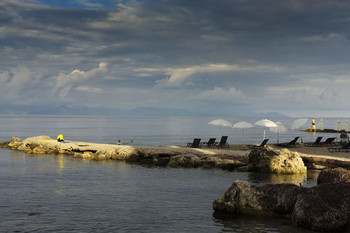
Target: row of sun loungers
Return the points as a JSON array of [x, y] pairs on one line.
[[293, 143], [212, 142], [327, 142]]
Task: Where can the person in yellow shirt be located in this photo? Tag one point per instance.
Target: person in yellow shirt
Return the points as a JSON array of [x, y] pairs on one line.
[[313, 126], [60, 138]]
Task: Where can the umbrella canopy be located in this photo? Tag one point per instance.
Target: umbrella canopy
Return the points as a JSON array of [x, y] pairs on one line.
[[320, 125], [279, 129], [298, 123], [243, 125], [220, 123], [265, 123], [338, 126]]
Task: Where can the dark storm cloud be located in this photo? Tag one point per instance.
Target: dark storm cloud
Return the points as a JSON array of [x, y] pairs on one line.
[[182, 51]]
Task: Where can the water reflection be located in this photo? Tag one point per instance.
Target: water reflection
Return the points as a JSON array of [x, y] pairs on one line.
[[254, 224], [262, 178]]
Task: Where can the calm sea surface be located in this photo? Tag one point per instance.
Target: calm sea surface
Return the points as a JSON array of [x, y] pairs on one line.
[[58, 193]]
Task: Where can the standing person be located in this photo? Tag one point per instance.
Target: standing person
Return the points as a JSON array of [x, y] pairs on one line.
[[118, 142]]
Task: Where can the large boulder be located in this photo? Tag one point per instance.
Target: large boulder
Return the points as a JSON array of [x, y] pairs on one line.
[[335, 175], [268, 200], [278, 162], [325, 208]]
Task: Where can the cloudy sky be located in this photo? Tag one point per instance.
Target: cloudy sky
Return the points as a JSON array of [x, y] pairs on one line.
[[204, 56]]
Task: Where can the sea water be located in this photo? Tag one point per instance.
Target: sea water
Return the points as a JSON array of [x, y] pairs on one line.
[[58, 193]]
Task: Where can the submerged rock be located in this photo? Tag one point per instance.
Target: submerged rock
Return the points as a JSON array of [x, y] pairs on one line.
[[335, 175], [278, 162]]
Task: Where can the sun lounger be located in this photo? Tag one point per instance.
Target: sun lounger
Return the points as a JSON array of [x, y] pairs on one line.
[[262, 145], [195, 143], [289, 144], [328, 142], [209, 143], [345, 148], [223, 142], [316, 143]]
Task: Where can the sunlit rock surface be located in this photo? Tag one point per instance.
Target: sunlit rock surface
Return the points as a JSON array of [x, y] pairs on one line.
[[279, 162]]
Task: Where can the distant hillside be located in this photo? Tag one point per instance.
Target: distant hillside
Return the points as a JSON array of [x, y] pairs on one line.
[[270, 114], [8, 109]]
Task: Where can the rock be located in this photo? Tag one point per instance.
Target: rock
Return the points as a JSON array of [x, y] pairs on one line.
[[186, 160], [334, 175], [279, 162], [325, 207], [4, 144], [15, 143], [268, 200]]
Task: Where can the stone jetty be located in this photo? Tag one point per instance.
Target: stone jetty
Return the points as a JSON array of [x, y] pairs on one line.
[[172, 156]]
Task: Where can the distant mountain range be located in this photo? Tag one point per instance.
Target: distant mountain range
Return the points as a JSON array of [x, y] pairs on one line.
[[8, 109]]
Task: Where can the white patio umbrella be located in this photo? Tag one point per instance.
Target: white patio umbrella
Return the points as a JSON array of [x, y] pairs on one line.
[[220, 123], [320, 125], [347, 128], [279, 129], [243, 125], [297, 124], [338, 126], [265, 123]]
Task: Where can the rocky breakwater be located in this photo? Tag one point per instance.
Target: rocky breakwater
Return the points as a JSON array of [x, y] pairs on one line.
[[323, 208], [172, 156]]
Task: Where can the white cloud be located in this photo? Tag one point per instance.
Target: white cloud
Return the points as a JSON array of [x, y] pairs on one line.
[[88, 89], [177, 77], [65, 82], [15, 82], [315, 38], [222, 95]]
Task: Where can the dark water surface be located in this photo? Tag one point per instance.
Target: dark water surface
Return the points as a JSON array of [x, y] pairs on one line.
[[58, 193]]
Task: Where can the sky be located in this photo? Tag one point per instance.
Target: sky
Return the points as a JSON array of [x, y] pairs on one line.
[[209, 57]]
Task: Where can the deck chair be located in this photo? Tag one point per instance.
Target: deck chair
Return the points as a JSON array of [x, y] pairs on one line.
[[345, 148], [329, 141], [316, 143], [209, 143], [195, 144], [262, 145], [290, 144], [223, 142]]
